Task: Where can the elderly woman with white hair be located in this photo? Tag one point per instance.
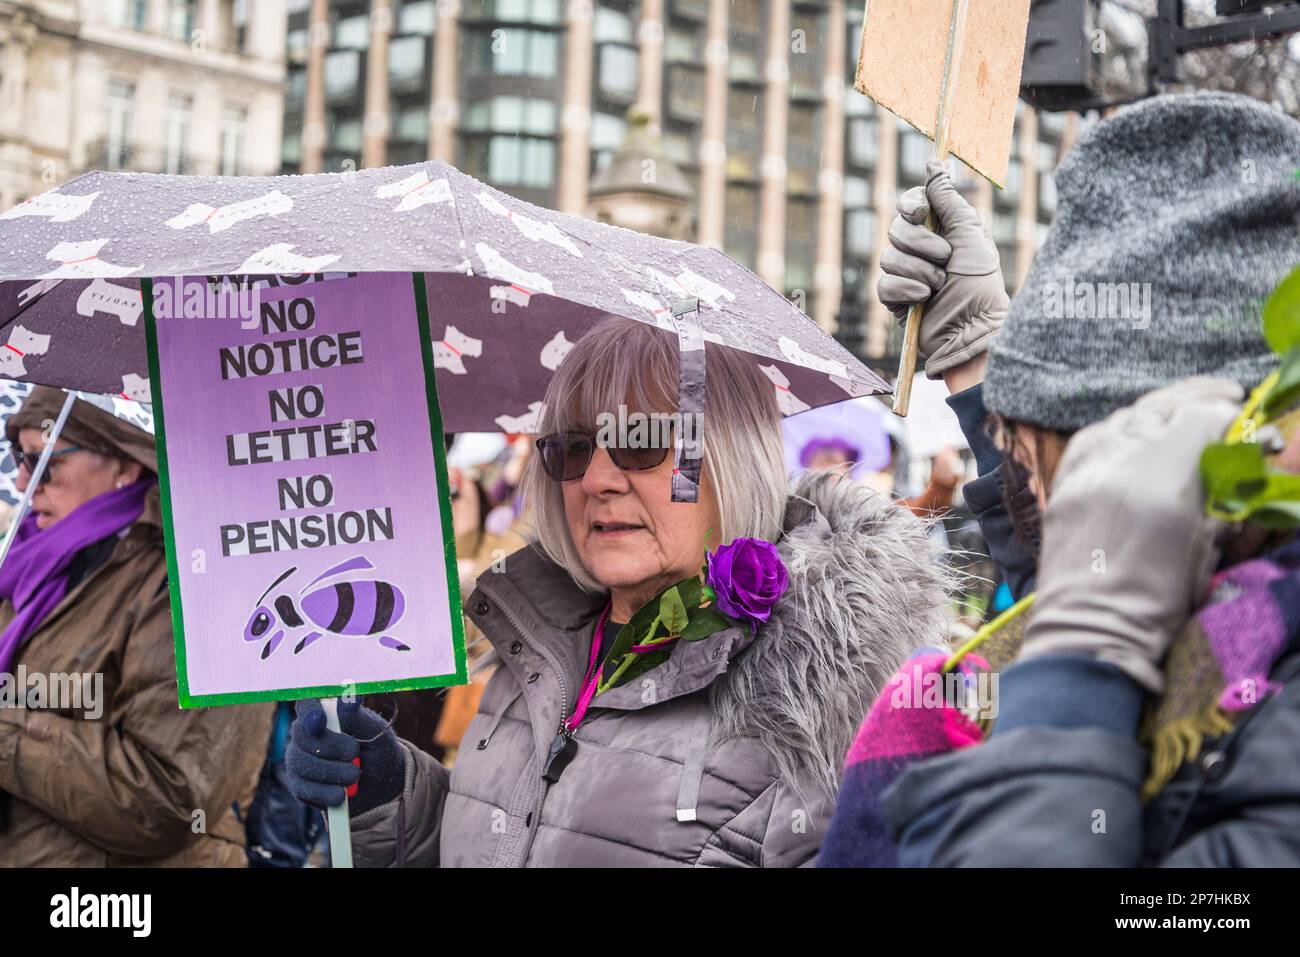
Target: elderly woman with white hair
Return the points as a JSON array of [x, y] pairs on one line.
[[710, 735]]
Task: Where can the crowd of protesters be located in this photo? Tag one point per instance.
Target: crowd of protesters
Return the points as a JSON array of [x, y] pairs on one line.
[[1147, 654]]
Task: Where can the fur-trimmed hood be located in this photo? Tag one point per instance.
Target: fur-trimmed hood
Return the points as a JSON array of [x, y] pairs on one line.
[[867, 588]]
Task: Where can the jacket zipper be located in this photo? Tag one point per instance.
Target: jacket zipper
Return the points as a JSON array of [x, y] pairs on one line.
[[562, 730]]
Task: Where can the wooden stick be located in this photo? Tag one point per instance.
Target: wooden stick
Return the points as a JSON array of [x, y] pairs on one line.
[[912, 333], [340, 826]]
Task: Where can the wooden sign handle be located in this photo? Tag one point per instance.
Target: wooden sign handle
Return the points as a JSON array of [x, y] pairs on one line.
[[912, 333]]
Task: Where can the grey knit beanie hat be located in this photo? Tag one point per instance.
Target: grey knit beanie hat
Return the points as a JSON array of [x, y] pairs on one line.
[[1176, 219]]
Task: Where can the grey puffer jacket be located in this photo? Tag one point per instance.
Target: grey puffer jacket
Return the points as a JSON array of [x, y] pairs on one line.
[[727, 754]]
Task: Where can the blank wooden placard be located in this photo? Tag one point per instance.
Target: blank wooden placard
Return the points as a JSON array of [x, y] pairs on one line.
[[901, 66]]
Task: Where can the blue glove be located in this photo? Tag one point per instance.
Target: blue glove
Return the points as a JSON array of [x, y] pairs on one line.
[[322, 763]]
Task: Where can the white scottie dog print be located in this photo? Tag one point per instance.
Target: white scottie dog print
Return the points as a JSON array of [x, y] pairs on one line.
[[416, 190], [220, 218], [786, 401], [56, 207], [450, 352], [80, 260], [22, 343], [104, 296], [280, 260]]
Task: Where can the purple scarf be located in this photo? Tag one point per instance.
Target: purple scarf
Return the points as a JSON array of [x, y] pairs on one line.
[[34, 576]]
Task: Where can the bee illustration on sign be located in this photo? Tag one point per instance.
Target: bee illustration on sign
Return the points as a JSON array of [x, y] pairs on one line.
[[352, 608]]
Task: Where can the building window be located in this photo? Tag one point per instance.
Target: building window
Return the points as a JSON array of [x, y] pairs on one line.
[[618, 71], [234, 135], [347, 136], [421, 17], [745, 13], [296, 47], [607, 131], [682, 45], [176, 137], [913, 151], [679, 147], [802, 124], [180, 19], [857, 192], [512, 114], [352, 33], [406, 60], [516, 52], [611, 26], [685, 92], [518, 161], [1047, 194], [741, 204], [1003, 228], [128, 13], [742, 66], [523, 11], [342, 72], [741, 163], [121, 118], [412, 125], [291, 149], [297, 85], [859, 232], [742, 108], [864, 141], [1052, 124], [857, 104]]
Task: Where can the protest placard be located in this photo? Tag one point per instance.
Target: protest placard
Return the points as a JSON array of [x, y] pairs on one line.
[[301, 461], [951, 68]]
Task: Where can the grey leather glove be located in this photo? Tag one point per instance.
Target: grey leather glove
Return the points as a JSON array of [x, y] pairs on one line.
[[1127, 547], [954, 270]]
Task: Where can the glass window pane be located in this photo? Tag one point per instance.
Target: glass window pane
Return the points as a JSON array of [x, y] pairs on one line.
[[176, 133], [352, 33], [347, 136], [618, 70], [504, 161], [611, 26], [857, 192], [607, 131], [421, 17], [406, 58], [539, 117], [342, 71]]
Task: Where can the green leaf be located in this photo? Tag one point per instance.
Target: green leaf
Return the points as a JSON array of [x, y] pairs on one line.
[[705, 622], [691, 591], [672, 611], [1282, 315], [1226, 468], [1240, 484], [1287, 388], [644, 662]]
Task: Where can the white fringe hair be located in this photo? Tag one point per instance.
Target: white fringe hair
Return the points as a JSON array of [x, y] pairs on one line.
[[624, 362]]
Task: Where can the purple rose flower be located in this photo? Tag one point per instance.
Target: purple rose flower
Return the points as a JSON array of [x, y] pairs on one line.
[[748, 578]]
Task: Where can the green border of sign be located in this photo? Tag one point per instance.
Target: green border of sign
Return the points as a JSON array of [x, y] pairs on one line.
[[460, 676]]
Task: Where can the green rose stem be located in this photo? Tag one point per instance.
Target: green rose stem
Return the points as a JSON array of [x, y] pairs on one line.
[[602, 687]]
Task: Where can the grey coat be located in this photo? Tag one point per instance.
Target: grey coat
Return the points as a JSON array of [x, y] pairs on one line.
[[728, 754]]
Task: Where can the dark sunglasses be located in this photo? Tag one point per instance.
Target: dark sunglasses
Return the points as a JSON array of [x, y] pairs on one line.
[[566, 455], [28, 460]]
